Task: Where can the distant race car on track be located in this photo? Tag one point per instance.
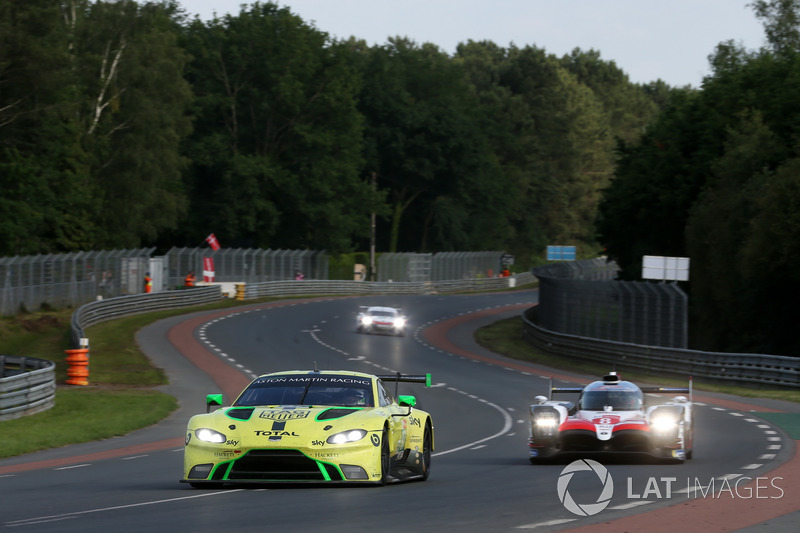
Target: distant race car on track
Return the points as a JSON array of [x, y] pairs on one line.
[[375, 319], [311, 426], [610, 417]]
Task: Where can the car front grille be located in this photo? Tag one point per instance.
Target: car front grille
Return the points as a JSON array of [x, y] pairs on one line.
[[280, 465]]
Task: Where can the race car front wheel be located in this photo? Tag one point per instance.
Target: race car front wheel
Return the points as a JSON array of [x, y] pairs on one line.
[[386, 458]]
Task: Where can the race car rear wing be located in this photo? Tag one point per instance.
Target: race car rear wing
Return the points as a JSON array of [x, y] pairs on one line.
[[405, 378], [670, 390], [362, 308], [648, 390]]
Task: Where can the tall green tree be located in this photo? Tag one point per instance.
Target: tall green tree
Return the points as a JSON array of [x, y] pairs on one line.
[[276, 151], [719, 227], [425, 142], [781, 19], [570, 146], [713, 179], [628, 107], [91, 120], [46, 201], [130, 68]]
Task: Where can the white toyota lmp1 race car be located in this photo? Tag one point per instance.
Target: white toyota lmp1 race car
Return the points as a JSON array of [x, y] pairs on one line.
[[610, 417], [375, 319]]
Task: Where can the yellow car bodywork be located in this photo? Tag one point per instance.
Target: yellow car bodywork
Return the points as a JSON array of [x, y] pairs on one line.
[[372, 441]]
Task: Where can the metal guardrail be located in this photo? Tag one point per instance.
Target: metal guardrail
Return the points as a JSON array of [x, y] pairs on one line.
[[101, 310], [27, 386], [345, 287], [737, 368]]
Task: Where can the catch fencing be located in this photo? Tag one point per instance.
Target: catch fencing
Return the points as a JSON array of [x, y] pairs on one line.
[[29, 283], [583, 315], [442, 266], [66, 280], [581, 298], [244, 265]]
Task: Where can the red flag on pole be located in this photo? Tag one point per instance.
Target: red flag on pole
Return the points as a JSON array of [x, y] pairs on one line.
[[212, 242], [208, 269]]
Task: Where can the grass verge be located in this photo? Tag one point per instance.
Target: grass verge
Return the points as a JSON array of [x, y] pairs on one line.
[[120, 397]]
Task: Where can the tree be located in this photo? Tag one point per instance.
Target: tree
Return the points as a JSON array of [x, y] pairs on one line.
[[628, 106], [716, 247], [569, 148], [47, 197], [715, 178], [424, 141], [781, 20], [277, 145], [130, 68]]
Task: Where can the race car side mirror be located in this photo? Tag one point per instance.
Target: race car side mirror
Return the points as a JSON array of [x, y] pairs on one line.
[[541, 400], [680, 399], [404, 400], [213, 400], [407, 400]]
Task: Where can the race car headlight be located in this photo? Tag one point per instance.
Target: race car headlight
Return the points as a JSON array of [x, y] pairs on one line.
[[366, 320], [545, 426], [399, 322], [546, 422], [663, 423], [344, 437], [209, 435]]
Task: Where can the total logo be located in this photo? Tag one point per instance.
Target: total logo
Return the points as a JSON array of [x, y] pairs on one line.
[[585, 509]]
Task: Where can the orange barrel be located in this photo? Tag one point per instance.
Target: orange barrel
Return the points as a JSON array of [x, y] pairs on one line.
[[78, 369]]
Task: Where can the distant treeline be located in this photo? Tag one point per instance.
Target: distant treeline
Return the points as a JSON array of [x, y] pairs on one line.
[[126, 124]]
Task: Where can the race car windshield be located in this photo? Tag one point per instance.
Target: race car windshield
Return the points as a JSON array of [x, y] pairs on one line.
[[339, 391], [618, 400], [382, 313]]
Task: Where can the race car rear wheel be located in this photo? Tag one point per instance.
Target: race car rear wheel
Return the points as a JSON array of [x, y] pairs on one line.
[[386, 458], [427, 445]]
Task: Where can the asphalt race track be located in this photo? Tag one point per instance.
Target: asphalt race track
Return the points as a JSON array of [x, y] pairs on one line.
[[480, 480]]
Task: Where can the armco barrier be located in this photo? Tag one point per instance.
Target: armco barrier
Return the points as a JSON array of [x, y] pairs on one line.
[[27, 386], [101, 310], [741, 369]]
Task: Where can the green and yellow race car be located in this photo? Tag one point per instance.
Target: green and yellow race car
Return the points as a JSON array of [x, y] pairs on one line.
[[311, 426]]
